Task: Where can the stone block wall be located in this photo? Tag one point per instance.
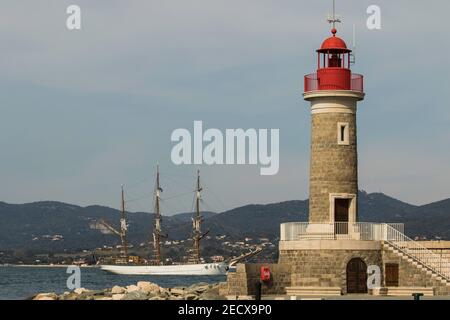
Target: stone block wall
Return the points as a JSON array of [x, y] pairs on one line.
[[334, 167], [325, 268]]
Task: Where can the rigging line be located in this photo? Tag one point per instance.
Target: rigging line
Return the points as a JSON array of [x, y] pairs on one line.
[[167, 208], [136, 207], [134, 203], [178, 174], [148, 196], [127, 195], [177, 195], [206, 204], [210, 191], [178, 184], [130, 186], [193, 203], [178, 204], [134, 200]]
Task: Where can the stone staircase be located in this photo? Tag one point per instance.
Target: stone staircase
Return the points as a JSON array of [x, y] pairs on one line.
[[418, 255], [408, 256]]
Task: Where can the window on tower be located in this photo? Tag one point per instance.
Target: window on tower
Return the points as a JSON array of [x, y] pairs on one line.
[[343, 133]]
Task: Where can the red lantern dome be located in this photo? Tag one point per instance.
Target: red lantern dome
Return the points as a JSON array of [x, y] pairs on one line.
[[333, 68], [334, 43]]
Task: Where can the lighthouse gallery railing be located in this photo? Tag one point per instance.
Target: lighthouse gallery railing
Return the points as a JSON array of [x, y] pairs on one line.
[[312, 83], [339, 230]]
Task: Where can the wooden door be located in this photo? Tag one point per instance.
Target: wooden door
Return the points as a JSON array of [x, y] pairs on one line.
[[356, 276], [391, 270], [341, 208]]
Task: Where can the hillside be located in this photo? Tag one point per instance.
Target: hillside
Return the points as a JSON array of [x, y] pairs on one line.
[[56, 226]]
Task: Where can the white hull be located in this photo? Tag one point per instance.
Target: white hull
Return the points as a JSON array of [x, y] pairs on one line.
[[206, 269]]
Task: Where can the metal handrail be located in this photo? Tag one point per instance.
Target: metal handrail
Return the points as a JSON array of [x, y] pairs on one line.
[[418, 252]]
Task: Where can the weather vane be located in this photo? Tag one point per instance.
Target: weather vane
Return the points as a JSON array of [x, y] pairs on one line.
[[333, 19]]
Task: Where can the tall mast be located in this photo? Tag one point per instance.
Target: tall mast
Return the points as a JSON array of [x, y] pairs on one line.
[[123, 227], [158, 219], [333, 19], [197, 220]]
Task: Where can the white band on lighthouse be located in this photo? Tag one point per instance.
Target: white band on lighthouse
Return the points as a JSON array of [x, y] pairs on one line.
[[333, 101], [333, 107]]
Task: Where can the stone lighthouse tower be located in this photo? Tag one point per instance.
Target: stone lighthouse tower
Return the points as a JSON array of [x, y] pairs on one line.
[[333, 92], [334, 253]]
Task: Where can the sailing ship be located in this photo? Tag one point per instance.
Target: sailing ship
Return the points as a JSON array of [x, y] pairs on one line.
[[130, 265]]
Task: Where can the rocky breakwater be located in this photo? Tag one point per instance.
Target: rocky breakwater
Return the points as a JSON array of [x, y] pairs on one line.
[[143, 290]]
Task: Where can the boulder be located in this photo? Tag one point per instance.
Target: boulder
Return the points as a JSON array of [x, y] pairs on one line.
[[177, 291], [201, 288], [80, 290], [135, 295], [199, 284], [164, 292], [69, 296], [118, 296], [117, 290], [148, 287], [97, 292], [191, 296], [211, 296], [144, 290], [132, 288], [85, 296], [46, 296]]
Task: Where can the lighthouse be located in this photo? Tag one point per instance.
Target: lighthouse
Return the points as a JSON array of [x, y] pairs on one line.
[[334, 253], [333, 92]]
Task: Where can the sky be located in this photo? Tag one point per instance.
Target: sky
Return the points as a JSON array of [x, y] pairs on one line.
[[84, 111]]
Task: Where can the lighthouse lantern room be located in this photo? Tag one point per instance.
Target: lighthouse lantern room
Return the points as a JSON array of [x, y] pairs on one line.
[[333, 68]]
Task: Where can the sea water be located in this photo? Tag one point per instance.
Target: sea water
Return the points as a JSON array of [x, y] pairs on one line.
[[23, 282]]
